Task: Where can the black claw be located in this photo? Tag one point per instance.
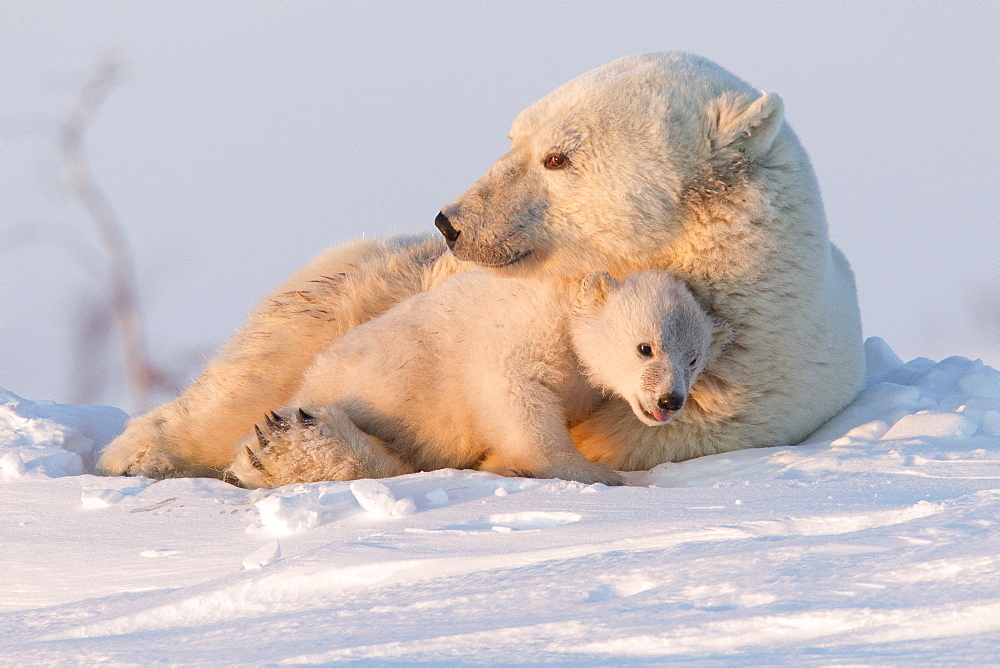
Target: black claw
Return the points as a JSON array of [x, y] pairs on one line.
[[260, 437], [275, 422], [306, 419], [254, 460], [231, 479]]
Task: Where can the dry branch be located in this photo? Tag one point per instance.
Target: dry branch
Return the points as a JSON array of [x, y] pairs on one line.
[[121, 280]]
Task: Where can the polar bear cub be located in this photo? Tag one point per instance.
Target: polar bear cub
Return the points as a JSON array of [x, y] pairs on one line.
[[487, 373]]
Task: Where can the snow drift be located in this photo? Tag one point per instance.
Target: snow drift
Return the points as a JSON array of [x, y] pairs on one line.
[[876, 540]]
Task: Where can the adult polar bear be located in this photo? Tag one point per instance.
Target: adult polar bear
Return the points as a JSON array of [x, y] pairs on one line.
[[655, 161]]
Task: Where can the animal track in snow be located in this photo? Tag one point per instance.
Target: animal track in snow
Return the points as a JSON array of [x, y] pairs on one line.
[[838, 524], [506, 522], [533, 519], [100, 498], [156, 554]]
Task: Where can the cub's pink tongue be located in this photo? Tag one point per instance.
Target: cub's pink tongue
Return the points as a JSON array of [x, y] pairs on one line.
[[660, 416]]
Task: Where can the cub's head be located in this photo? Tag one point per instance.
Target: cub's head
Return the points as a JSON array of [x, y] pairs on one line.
[[645, 339], [598, 170]]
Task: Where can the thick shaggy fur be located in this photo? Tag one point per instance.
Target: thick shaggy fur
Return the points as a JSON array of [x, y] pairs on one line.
[[262, 365], [487, 372], [658, 161]]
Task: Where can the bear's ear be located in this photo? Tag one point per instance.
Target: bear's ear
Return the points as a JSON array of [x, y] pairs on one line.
[[723, 336], [594, 291], [748, 129]]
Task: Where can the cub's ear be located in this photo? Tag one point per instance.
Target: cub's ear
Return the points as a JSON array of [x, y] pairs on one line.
[[749, 129], [594, 291], [723, 336]]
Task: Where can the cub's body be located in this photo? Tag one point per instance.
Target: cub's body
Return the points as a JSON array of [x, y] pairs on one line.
[[486, 372]]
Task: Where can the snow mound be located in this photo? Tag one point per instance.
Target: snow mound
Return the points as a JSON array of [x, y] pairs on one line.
[[873, 541], [50, 439]]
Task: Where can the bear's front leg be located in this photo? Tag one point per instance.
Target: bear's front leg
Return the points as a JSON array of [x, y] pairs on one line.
[[531, 440], [312, 445], [569, 468], [262, 365]]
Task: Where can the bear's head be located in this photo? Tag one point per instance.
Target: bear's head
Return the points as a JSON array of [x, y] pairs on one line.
[[645, 339], [598, 170]]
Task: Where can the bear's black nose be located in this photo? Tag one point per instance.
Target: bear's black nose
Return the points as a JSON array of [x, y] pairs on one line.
[[671, 403], [449, 232]]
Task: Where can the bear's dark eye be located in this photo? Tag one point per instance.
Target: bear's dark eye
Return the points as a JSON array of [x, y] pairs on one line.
[[645, 349], [556, 161], [694, 362]]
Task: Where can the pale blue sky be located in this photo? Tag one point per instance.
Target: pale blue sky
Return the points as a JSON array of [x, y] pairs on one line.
[[245, 137]]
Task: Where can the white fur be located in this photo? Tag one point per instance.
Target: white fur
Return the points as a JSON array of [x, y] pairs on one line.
[[675, 163], [672, 163], [483, 372], [261, 367]]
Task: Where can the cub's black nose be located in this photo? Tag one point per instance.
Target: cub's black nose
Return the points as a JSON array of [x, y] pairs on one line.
[[449, 232], [671, 403]]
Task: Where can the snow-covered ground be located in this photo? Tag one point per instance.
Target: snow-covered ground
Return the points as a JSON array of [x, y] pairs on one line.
[[877, 541]]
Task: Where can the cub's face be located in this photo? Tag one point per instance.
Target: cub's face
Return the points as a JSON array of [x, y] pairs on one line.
[[644, 339]]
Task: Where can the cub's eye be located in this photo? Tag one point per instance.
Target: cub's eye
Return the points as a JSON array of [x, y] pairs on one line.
[[645, 349], [694, 362], [556, 161]]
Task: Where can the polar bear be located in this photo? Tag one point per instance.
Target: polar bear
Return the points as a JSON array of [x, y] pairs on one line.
[[487, 373], [662, 161]]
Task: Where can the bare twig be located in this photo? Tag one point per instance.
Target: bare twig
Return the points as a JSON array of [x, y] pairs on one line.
[[94, 333], [121, 280]]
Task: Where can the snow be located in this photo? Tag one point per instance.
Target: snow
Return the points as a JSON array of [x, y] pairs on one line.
[[875, 541]]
